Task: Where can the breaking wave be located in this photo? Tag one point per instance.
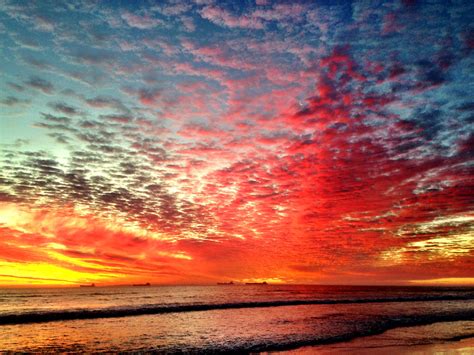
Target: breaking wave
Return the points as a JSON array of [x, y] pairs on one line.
[[62, 315]]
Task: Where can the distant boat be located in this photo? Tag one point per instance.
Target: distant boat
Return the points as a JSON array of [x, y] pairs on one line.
[[256, 283], [145, 284], [226, 283], [91, 285]]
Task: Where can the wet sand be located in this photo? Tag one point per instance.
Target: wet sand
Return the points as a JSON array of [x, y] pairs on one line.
[[439, 338], [464, 347]]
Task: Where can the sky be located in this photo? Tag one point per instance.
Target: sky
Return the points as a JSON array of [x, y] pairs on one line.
[[321, 142]]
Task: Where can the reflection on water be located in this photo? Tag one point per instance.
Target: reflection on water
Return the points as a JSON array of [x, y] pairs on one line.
[[438, 338], [29, 300], [229, 329]]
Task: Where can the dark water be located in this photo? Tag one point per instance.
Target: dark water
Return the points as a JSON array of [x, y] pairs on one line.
[[217, 318]]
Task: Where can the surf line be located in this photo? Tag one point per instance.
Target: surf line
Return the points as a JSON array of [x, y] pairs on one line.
[[51, 316]]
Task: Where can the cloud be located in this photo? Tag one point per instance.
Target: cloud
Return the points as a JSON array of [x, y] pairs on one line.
[[297, 141], [55, 119], [106, 102], [63, 248], [174, 9], [224, 18], [149, 97], [40, 84], [64, 108], [16, 87], [188, 23], [92, 56], [14, 101], [118, 118], [141, 22], [280, 12], [43, 24]]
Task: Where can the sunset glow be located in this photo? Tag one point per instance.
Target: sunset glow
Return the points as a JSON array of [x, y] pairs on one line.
[[201, 142]]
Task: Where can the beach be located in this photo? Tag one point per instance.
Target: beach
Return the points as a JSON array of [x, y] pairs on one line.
[[410, 340]]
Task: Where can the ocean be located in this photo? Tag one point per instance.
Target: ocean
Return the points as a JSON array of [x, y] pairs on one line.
[[226, 318]]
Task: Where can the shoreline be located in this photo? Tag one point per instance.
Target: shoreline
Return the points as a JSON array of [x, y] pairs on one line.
[[422, 339]]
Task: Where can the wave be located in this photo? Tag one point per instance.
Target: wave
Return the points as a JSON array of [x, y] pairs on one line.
[[62, 315]]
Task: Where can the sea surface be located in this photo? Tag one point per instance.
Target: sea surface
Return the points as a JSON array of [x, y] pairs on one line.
[[234, 318]]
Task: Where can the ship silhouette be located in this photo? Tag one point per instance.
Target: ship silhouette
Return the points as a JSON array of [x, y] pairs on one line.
[[257, 283]]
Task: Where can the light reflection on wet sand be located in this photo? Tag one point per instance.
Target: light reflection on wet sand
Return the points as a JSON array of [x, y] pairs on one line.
[[438, 338]]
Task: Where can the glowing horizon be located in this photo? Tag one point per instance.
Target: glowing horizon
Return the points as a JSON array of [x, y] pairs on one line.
[[201, 142]]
